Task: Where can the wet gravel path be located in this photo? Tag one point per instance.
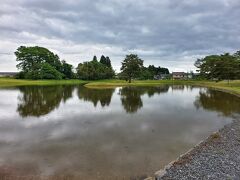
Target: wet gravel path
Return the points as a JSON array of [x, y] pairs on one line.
[[218, 157]]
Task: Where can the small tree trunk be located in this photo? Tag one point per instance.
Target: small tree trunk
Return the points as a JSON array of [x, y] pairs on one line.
[[129, 80]]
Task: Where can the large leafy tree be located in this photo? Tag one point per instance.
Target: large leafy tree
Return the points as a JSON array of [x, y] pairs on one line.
[[131, 66], [31, 60], [219, 67]]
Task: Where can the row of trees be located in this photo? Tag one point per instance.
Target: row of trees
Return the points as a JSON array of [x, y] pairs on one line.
[[40, 63], [94, 70], [220, 67]]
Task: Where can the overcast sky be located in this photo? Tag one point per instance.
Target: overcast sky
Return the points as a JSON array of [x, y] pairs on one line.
[[168, 33]]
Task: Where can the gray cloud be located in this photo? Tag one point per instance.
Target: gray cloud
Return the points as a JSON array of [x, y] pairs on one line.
[[166, 33]]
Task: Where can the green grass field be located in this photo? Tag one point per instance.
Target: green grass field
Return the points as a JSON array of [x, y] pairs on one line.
[[7, 82], [232, 86]]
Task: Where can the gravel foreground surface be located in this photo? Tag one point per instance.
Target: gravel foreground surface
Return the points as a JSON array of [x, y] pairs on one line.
[[218, 157]]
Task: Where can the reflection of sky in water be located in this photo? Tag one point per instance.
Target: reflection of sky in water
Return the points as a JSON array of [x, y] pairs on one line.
[[82, 139]]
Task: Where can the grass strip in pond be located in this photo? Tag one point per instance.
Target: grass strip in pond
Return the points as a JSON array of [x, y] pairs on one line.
[[232, 86]]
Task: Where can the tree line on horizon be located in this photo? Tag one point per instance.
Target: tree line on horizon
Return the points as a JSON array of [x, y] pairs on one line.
[[40, 63]]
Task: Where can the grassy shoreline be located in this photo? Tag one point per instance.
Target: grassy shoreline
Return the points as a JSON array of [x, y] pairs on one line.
[[10, 82], [231, 87]]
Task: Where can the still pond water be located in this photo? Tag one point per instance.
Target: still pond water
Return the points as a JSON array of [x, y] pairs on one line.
[[128, 132]]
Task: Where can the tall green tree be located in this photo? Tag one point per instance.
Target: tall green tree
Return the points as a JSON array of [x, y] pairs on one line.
[[131, 66], [31, 59], [95, 58], [67, 70], [106, 61], [103, 60]]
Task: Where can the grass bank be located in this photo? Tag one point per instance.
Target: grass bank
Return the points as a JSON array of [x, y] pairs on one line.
[[9, 82], [119, 83], [232, 86]]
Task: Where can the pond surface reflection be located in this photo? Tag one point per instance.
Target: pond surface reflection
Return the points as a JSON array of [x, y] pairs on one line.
[[87, 133]]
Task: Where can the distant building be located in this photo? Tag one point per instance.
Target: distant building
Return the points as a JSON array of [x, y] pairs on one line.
[[8, 74], [178, 75], [183, 75]]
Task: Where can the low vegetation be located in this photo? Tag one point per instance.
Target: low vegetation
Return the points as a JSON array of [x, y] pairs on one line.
[[7, 82]]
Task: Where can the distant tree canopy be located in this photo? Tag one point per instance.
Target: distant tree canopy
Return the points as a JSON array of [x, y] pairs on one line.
[[150, 71], [220, 67], [40, 63], [158, 70], [132, 67], [67, 70], [106, 61], [94, 70]]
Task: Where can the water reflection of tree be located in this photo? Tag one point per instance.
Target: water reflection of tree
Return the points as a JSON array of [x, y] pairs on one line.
[[131, 96], [156, 90], [103, 96], [39, 100], [225, 103]]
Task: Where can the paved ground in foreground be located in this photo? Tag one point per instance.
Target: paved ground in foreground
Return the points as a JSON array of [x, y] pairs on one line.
[[218, 157]]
